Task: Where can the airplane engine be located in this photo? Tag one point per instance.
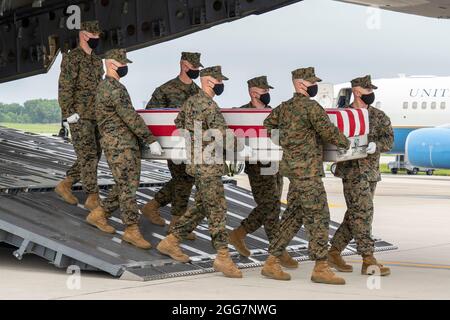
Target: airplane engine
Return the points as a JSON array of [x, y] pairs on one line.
[[429, 148]]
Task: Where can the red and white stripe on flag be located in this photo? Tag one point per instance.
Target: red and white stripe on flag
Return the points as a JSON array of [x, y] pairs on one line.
[[249, 123], [351, 122]]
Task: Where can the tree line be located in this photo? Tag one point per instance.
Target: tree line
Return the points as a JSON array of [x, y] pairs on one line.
[[32, 111]]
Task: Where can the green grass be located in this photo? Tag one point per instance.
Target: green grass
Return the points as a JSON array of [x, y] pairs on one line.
[[441, 172], [39, 128]]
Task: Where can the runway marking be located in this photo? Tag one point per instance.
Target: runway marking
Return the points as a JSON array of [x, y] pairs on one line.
[[409, 264], [330, 205]]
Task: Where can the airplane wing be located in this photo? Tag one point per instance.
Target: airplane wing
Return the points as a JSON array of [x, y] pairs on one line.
[[428, 8]]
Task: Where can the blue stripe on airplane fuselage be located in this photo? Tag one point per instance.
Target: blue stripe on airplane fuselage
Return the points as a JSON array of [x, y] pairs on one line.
[[400, 135]]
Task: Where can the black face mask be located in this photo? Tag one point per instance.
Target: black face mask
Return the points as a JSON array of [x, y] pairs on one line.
[[368, 98], [219, 88], [193, 74], [265, 98], [122, 71], [93, 43], [313, 90]]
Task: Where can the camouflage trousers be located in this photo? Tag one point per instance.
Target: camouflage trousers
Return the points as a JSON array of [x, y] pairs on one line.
[[125, 165], [209, 203], [307, 204], [267, 195], [177, 191], [86, 143], [357, 222]]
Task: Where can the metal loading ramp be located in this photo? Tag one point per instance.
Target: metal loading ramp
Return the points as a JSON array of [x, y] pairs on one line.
[[35, 221]]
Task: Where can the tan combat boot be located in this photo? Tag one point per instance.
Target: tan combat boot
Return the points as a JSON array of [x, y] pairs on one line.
[[97, 218], [64, 190], [170, 246], [336, 261], [224, 264], [272, 269], [151, 212], [323, 274], [191, 236], [133, 236], [92, 201], [237, 237], [371, 266], [287, 261]]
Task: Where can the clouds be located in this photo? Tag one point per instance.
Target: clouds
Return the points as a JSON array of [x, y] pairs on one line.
[[329, 35]]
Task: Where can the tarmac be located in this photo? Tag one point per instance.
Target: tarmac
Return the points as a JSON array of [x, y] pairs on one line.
[[413, 212]]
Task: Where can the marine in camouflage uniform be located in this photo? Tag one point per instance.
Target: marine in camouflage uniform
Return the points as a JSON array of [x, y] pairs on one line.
[[122, 132], [177, 191], [80, 75], [304, 127], [266, 188], [360, 178], [197, 115]]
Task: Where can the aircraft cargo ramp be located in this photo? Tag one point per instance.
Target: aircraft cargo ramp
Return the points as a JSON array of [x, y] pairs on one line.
[[35, 221]]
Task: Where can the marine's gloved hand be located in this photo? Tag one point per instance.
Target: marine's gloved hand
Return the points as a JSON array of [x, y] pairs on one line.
[[73, 118], [156, 149], [247, 152], [371, 148], [65, 124]]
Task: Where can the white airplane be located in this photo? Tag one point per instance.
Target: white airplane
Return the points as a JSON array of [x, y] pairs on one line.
[[419, 108]]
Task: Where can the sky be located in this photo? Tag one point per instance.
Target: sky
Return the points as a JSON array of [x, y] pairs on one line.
[[342, 41]]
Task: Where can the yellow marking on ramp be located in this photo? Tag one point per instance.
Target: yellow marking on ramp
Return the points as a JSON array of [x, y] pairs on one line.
[[409, 264]]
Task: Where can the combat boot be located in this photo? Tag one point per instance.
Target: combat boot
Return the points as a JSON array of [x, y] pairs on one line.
[[97, 218], [237, 237], [224, 264], [336, 261], [287, 261], [323, 274], [64, 190], [92, 201], [272, 269], [191, 236], [151, 212], [170, 246], [133, 236], [371, 266]]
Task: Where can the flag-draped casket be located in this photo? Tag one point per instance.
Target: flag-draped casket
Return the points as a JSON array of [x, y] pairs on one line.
[[247, 124]]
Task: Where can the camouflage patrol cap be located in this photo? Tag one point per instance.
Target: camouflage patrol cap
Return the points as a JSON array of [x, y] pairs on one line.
[[91, 26], [259, 82], [120, 55], [307, 74], [363, 82], [193, 58], [215, 72]]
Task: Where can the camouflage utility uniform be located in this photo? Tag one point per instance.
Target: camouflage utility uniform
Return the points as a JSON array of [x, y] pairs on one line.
[[122, 131], [174, 94], [360, 179], [266, 189], [210, 196], [304, 127], [80, 75]]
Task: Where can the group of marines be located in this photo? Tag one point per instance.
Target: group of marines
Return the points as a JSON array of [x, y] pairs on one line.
[[101, 118]]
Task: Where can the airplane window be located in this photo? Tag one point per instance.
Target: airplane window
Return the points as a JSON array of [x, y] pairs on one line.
[[433, 105], [405, 105], [424, 105], [443, 105], [414, 105]]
